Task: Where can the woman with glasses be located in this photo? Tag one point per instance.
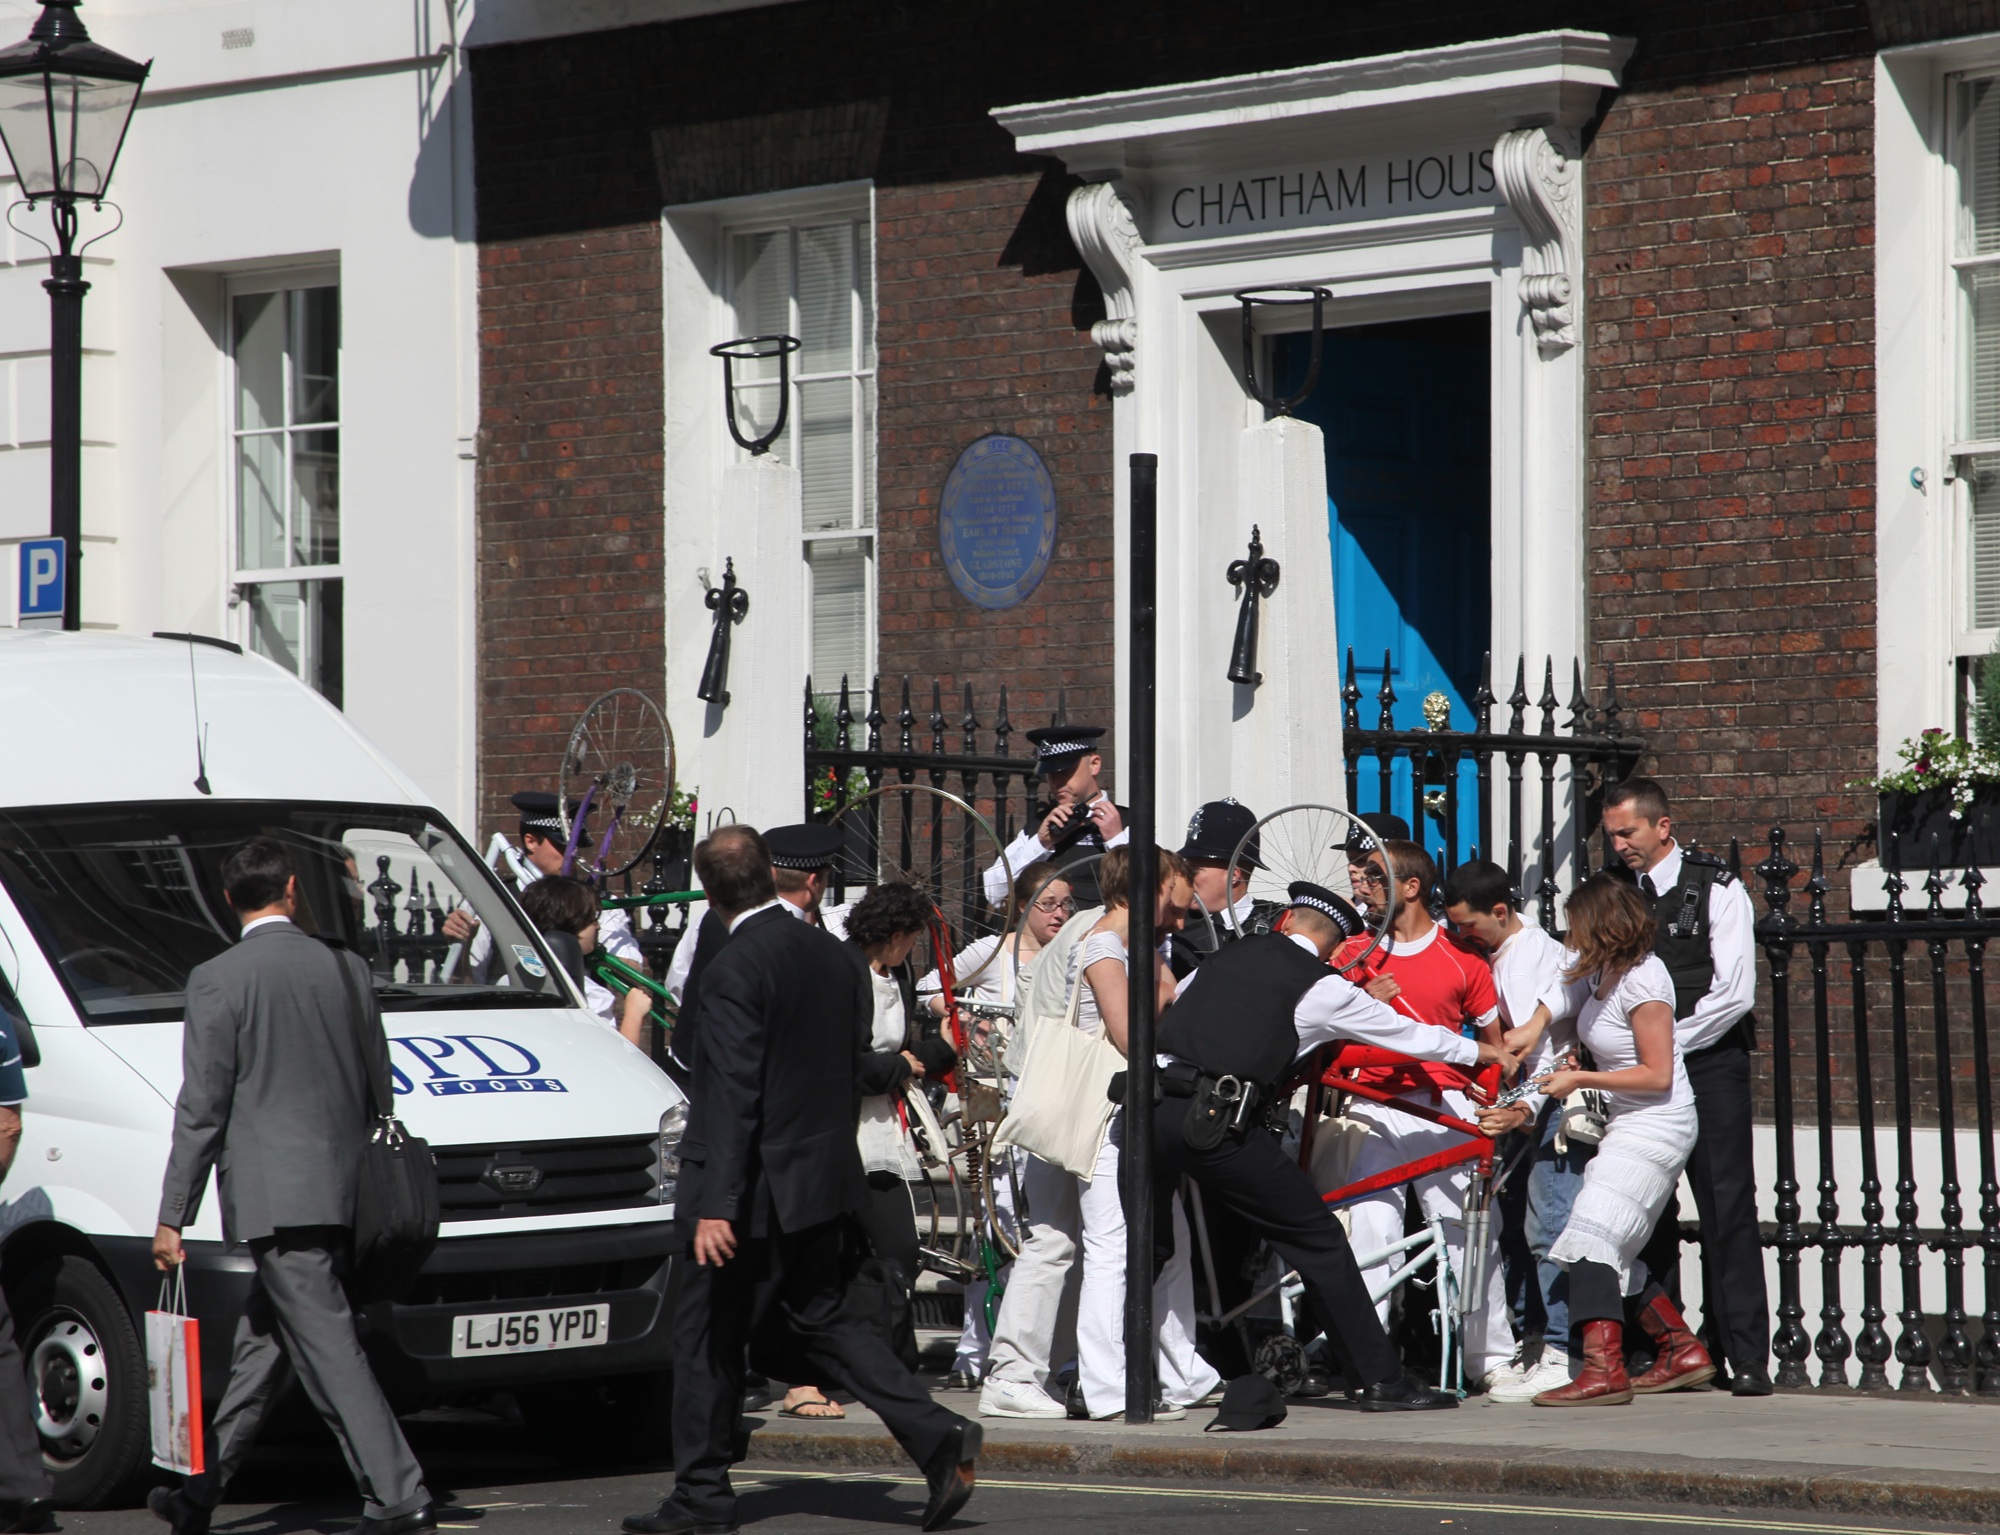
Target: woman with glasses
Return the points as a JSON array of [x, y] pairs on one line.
[[1043, 902]]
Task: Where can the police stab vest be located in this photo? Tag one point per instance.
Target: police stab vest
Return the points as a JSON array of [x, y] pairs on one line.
[[1235, 1018], [1681, 915]]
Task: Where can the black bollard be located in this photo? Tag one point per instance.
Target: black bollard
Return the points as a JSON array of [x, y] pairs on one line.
[[1142, 998]]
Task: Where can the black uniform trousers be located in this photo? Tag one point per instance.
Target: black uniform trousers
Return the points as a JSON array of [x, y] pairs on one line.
[[24, 1475], [794, 1282], [1249, 1174], [1736, 1311]]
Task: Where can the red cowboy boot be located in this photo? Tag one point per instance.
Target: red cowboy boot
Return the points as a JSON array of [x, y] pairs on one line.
[[1603, 1382], [1681, 1361]]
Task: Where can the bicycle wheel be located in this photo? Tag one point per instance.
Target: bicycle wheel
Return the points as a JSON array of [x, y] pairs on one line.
[[1309, 843], [618, 767]]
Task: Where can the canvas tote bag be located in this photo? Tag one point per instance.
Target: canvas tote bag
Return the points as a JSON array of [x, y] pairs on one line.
[[1061, 1111]]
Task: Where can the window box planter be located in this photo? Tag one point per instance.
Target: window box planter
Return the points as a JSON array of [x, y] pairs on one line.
[[1908, 822]]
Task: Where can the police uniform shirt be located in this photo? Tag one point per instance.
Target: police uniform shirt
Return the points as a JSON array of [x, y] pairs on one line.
[[1026, 850], [1335, 1008], [1732, 947], [614, 937], [13, 1080]]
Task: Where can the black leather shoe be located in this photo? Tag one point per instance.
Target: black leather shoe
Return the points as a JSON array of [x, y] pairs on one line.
[[669, 1520], [176, 1508], [32, 1516], [416, 1520], [1403, 1393], [950, 1473], [1750, 1383], [1314, 1385]]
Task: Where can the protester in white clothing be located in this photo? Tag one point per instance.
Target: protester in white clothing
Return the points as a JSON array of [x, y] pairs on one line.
[[1000, 966], [1099, 968], [1621, 998]]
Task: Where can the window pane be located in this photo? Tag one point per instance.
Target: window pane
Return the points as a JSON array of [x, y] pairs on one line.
[[761, 272], [260, 361], [867, 442], [826, 448], [260, 501], [865, 281], [316, 498], [1981, 349], [826, 298], [1983, 480], [839, 572], [297, 624], [315, 354]]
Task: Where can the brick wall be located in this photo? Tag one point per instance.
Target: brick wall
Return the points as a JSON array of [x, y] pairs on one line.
[[570, 489], [1731, 552], [970, 345]]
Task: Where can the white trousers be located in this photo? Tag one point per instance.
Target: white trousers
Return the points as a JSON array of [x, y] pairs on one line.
[[1034, 1333], [1184, 1376], [1486, 1331], [974, 1340]]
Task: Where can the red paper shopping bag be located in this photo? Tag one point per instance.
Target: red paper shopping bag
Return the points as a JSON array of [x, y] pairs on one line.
[[173, 1380]]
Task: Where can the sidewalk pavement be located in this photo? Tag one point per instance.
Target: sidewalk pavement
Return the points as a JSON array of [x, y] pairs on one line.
[[1930, 1458]]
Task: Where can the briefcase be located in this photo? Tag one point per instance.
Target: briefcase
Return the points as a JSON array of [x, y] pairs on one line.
[[396, 1196]]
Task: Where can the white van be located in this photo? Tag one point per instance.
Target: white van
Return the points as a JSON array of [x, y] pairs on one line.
[[131, 767]]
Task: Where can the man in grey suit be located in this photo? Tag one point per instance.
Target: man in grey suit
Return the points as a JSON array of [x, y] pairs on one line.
[[274, 1096]]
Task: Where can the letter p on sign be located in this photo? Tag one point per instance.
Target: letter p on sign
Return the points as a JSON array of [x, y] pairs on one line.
[[42, 578]]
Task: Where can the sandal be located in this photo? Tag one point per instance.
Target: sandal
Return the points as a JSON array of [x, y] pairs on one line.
[[814, 1409]]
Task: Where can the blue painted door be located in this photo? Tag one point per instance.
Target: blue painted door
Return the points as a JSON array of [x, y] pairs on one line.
[[1405, 408]]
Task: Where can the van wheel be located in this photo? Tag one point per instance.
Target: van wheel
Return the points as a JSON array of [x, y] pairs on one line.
[[86, 1382], [625, 1420]]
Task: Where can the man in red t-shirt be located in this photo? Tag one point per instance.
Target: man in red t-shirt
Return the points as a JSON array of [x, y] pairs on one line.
[[1420, 971]]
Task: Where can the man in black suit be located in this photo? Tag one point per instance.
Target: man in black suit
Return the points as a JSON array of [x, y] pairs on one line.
[[770, 1172]]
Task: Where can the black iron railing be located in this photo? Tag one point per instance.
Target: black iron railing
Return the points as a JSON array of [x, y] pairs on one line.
[[1443, 781], [1844, 1045]]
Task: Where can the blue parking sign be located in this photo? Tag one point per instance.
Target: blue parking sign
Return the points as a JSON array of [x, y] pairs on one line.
[[42, 578]]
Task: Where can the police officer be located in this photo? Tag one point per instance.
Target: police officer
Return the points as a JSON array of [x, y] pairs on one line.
[[1077, 822], [1236, 1026], [1707, 939], [1213, 835], [802, 859]]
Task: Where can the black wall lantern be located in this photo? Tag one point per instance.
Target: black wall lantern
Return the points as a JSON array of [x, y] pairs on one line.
[[1253, 299], [1255, 578], [65, 103], [728, 602], [756, 349]]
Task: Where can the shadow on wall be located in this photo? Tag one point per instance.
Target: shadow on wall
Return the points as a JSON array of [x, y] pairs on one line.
[[438, 107]]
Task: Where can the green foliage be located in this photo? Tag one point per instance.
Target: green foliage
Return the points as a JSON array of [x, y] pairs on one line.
[[1986, 700], [1937, 759]]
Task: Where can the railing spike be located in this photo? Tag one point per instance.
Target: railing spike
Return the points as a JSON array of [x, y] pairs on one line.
[[937, 717], [1517, 701], [906, 719], [812, 716], [843, 717], [1893, 886], [1547, 703], [1579, 702], [875, 718], [1934, 882], [968, 726], [1971, 882], [1003, 727], [1817, 886], [1776, 871], [1350, 697], [1482, 697], [1386, 694]]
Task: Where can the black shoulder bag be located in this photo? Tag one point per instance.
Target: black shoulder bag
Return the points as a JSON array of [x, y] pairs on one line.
[[396, 1199]]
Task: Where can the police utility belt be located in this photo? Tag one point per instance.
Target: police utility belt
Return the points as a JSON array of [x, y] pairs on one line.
[[1223, 1105]]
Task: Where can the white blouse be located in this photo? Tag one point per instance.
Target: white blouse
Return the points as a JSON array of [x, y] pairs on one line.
[[1604, 1025], [1097, 946]]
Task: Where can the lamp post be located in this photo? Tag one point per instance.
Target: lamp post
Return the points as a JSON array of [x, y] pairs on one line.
[[65, 103]]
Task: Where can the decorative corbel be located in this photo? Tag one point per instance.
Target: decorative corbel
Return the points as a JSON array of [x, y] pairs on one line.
[[1104, 222], [1542, 179]]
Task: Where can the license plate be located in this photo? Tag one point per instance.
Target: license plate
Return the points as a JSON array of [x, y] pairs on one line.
[[530, 1332]]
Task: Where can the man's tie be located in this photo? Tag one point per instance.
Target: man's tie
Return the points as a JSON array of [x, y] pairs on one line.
[[1646, 884]]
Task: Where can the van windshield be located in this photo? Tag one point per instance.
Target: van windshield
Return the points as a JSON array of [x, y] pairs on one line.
[[125, 900]]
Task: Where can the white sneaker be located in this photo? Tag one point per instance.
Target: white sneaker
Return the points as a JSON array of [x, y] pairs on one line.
[[1554, 1370], [1511, 1373], [1018, 1399]]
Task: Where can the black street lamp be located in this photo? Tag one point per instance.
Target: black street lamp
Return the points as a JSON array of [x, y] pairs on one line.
[[65, 103]]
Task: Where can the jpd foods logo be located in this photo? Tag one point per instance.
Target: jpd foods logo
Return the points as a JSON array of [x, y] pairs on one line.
[[448, 1065]]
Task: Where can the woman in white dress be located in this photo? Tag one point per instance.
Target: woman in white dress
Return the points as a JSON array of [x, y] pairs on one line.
[[1042, 903], [1619, 1000], [1101, 962]]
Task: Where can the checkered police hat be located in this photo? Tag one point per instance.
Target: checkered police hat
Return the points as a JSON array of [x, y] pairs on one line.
[[1322, 900], [1057, 746]]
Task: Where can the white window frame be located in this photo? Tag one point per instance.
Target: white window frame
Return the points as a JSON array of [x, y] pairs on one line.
[[802, 214], [1968, 640], [241, 577]]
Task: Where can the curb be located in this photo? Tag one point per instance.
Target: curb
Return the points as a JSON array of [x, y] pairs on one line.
[[1368, 1467]]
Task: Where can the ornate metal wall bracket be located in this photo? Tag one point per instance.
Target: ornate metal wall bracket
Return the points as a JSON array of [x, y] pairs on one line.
[[1255, 578], [756, 349], [728, 602], [1280, 298]]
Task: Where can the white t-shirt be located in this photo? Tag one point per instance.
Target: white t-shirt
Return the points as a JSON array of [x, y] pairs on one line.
[[1604, 1025], [1526, 969], [1094, 948], [880, 1136]]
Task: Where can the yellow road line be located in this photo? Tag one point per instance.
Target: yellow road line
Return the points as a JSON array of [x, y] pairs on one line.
[[1354, 1500]]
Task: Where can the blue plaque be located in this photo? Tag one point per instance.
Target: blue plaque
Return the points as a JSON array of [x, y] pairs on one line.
[[997, 521]]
